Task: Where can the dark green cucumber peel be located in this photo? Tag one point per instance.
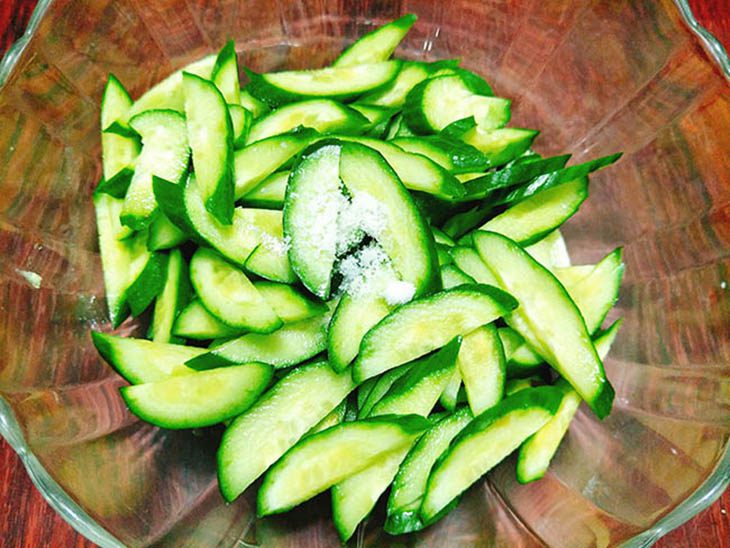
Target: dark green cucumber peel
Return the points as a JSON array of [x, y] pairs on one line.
[[148, 284], [117, 185]]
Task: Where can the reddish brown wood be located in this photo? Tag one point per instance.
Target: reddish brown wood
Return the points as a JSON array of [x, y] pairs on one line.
[[25, 518]]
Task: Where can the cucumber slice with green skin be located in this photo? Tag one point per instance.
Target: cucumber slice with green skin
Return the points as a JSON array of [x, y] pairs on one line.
[[363, 392], [377, 45], [450, 153], [290, 345], [394, 94], [323, 115], [270, 260], [551, 252], [437, 102], [316, 463], [441, 237], [449, 397], [466, 177], [482, 366], [118, 152], [537, 452], [336, 416], [229, 295], [500, 145], [398, 128], [382, 385], [405, 236], [289, 303], [210, 133], [313, 192], [459, 225], [418, 390], [513, 386], [421, 326], [471, 264], [149, 284], [410, 482], [199, 399], [340, 83], [163, 234], [171, 201], [169, 94], [561, 338], [165, 154], [453, 276], [259, 160], [289, 410], [195, 322], [484, 443], [254, 106], [121, 260], [415, 392], [549, 180], [225, 73], [530, 220], [570, 275], [142, 361], [120, 128], [415, 171], [521, 359], [353, 317], [443, 255], [377, 116], [117, 185], [241, 120], [175, 295], [269, 193], [354, 497]]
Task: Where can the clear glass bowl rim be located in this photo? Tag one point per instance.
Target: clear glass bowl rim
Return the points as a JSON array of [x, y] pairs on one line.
[[76, 517]]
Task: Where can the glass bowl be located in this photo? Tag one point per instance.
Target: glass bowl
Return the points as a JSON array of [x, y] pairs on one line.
[[595, 77]]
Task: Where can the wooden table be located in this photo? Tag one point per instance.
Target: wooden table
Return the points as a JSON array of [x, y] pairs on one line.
[[27, 521]]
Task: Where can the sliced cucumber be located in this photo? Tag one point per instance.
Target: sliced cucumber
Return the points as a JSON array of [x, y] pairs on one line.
[[452, 154], [270, 260], [394, 94], [421, 326], [441, 237], [163, 234], [444, 256], [416, 172], [336, 416], [169, 94], [530, 220], [289, 303], [437, 102], [269, 193], [253, 105], [379, 118], [353, 317], [513, 386], [419, 389], [471, 264], [199, 399], [382, 385], [122, 260], [149, 284], [537, 452], [225, 73], [410, 482], [175, 295], [316, 463], [551, 251], [210, 133], [561, 337], [377, 45], [481, 364], [290, 345], [259, 437], [323, 115], [452, 276], [485, 442], [241, 120], [313, 192], [165, 154], [142, 361], [195, 322], [118, 153], [340, 82], [398, 128], [117, 185], [257, 161], [404, 235], [500, 145], [450, 395], [229, 295]]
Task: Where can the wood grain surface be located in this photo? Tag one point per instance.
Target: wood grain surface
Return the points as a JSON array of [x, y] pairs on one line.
[[27, 521]]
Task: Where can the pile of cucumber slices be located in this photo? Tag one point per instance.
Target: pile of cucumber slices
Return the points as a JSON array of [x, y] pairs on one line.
[[358, 270]]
